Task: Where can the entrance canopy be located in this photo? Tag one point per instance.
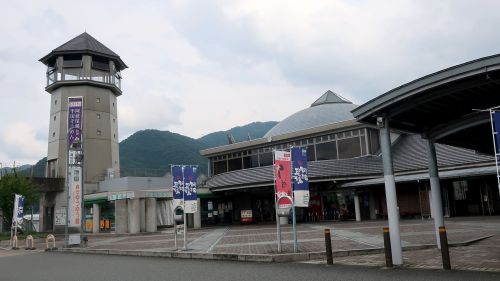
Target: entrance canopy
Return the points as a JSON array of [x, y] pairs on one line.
[[447, 106]]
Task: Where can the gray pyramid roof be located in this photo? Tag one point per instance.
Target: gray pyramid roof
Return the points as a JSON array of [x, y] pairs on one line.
[[330, 97], [84, 44]]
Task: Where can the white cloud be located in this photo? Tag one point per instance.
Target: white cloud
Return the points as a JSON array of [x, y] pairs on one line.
[[203, 66], [20, 143]]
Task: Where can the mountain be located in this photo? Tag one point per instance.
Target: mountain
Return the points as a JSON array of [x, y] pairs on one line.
[[240, 133], [150, 152]]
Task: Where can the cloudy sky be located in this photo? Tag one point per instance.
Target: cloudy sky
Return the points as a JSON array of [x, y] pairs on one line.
[[197, 67]]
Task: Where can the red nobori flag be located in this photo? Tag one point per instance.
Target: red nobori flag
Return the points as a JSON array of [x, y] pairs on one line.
[[282, 172]]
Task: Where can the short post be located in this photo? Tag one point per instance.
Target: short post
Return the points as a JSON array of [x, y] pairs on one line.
[[14, 243], [387, 248], [445, 253], [328, 245], [30, 243], [50, 237]]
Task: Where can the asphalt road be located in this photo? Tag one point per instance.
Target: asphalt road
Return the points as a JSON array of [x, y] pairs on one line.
[[67, 266]]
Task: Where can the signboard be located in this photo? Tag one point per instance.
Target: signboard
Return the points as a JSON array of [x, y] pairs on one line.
[[283, 180], [299, 176], [75, 112], [74, 239], [60, 216], [75, 196], [190, 194], [246, 216]]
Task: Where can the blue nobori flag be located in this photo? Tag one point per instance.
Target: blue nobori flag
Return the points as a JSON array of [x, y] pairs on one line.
[[299, 176], [18, 209], [190, 192], [178, 185], [496, 129]]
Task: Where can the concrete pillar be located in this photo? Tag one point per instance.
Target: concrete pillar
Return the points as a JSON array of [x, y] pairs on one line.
[[437, 205], [390, 191], [133, 215], [197, 216], [121, 221], [357, 210], [373, 214], [151, 215], [142, 214], [96, 214]]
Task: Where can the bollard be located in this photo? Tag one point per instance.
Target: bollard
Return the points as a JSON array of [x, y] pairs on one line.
[[387, 248], [14, 243], [445, 253], [50, 237], [29, 239], [328, 245]]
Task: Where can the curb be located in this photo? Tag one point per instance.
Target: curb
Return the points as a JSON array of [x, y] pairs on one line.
[[288, 257]]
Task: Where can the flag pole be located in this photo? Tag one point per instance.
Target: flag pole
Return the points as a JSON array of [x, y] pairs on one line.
[[294, 222]]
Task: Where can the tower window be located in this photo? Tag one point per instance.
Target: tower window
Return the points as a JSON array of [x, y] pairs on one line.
[[55, 102], [114, 136], [98, 132], [113, 120], [113, 104], [54, 118], [98, 115], [98, 100], [53, 134]]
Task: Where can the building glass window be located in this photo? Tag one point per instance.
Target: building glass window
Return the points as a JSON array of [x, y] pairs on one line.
[[349, 148], [235, 164], [98, 115], [97, 100], [266, 159], [326, 151], [99, 132], [220, 167]]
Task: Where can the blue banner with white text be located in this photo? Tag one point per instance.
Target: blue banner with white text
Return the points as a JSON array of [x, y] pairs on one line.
[[178, 185], [299, 176], [190, 192]]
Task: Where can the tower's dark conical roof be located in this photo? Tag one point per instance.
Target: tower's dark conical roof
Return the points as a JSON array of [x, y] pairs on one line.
[[84, 44]]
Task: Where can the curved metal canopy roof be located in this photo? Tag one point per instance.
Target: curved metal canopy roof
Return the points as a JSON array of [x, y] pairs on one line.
[[449, 106]]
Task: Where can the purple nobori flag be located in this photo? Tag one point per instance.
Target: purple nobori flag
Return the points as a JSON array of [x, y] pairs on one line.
[[299, 176], [190, 192], [75, 111]]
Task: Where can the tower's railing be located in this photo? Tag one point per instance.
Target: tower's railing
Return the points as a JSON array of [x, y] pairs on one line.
[[76, 74]]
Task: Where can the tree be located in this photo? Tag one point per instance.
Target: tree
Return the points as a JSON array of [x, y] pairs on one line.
[[11, 184]]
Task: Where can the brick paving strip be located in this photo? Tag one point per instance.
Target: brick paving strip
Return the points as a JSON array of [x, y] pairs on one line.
[[472, 245]]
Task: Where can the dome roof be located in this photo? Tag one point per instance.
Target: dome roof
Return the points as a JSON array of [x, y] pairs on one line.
[[328, 109]]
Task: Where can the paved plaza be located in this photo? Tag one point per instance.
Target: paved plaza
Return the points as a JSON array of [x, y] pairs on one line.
[[482, 255]]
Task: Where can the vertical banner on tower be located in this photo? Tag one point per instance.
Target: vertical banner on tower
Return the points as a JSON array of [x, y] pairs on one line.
[[75, 112], [75, 196], [190, 194], [17, 217], [283, 178], [75, 117], [178, 185], [299, 175]]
